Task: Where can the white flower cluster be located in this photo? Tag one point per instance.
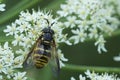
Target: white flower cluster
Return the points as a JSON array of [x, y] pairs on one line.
[[2, 7], [96, 76], [27, 29], [115, 4], [8, 63], [88, 19]]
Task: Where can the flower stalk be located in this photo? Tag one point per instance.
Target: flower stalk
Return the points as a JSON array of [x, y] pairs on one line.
[[81, 68]]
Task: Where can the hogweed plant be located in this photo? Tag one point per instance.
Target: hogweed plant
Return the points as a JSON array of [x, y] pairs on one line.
[[77, 21]]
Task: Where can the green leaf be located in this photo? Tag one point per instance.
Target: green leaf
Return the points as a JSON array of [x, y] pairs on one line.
[[8, 14]]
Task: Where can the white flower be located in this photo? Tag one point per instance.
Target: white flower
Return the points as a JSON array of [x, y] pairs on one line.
[[18, 38], [62, 58], [81, 77], [22, 52], [88, 19], [103, 76], [114, 4], [84, 12], [89, 74], [1, 66], [8, 61], [101, 44], [116, 58], [31, 26], [65, 11], [1, 77], [63, 38], [72, 78], [6, 47], [20, 76], [27, 42], [80, 36], [93, 33], [2, 7], [96, 76], [11, 30], [71, 21], [18, 62]]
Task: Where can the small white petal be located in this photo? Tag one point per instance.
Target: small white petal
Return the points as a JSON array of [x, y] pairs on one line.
[[72, 78]]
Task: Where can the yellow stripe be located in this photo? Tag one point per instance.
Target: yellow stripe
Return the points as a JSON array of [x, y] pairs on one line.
[[39, 61], [43, 60], [39, 65], [42, 50], [46, 41], [49, 51], [37, 55], [39, 49]]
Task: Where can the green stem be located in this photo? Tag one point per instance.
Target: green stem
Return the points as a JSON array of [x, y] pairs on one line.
[[80, 68], [16, 9], [115, 33]]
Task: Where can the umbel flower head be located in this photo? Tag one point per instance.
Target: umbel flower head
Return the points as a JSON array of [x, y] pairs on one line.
[[96, 76], [8, 63], [28, 28], [88, 19]]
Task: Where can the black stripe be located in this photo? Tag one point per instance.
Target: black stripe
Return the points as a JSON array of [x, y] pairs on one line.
[[44, 58]]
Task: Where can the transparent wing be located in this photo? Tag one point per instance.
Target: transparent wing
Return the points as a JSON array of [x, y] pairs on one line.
[[28, 60], [54, 62]]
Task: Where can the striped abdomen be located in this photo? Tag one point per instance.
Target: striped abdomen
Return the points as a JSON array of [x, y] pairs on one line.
[[41, 57]]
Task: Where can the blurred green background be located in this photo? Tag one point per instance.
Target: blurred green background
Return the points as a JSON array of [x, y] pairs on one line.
[[80, 54]]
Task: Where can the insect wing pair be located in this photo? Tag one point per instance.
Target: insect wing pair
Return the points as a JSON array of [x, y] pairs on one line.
[[44, 51]]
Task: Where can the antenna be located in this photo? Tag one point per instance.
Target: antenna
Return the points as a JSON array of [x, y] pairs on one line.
[[49, 22], [52, 23]]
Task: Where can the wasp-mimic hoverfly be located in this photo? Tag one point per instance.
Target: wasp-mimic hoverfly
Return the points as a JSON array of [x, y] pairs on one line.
[[44, 50]]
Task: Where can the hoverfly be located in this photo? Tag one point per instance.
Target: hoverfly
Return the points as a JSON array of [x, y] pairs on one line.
[[44, 50]]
